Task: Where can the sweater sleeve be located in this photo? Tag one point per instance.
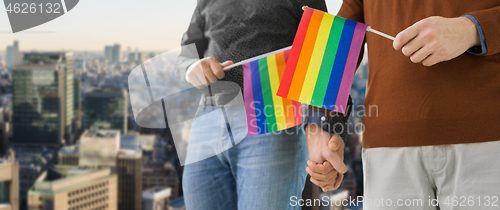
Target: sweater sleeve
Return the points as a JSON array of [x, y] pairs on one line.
[[488, 19], [189, 53]]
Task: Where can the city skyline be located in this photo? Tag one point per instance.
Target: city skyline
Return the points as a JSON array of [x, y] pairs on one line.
[[93, 24]]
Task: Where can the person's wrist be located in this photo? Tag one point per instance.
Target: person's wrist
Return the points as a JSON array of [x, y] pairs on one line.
[[471, 30], [189, 69]]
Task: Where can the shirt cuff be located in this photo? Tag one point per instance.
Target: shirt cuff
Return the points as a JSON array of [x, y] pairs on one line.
[[318, 118], [478, 50]]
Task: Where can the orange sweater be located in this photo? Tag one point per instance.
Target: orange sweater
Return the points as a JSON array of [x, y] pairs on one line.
[[453, 102]]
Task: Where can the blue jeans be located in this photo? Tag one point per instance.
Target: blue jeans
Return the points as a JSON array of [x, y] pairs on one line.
[[260, 172]]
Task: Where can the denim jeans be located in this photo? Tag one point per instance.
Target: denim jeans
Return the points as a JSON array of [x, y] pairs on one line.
[[259, 172]]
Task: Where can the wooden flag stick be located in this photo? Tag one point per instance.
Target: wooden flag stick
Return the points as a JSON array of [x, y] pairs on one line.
[[256, 58], [369, 29]]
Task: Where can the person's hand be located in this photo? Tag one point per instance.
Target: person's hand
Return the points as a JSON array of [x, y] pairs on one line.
[[324, 175], [324, 147], [205, 71], [437, 39]]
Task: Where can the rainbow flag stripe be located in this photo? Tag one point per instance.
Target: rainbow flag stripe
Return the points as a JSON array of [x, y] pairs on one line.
[[265, 111], [323, 60]]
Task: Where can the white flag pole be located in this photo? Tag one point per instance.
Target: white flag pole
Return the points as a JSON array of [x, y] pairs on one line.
[[257, 58], [370, 29]]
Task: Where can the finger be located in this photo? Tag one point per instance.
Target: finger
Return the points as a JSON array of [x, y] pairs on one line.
[[226, 64], [321, 168], [324, 185], [329, 177], [315, 182], [310, 163], [201, 74], [421, 54], [193, 78], [405, 36], [335, 142], [216, 69], [209, 74], [211, 69], [340, 177], [431, 60], [412, 46], [336, 161]]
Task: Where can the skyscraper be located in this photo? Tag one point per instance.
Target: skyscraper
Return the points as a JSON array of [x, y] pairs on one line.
[[132, 57], [10, 57], [116, 53], [108, 52], [17, 55], [77, 101], [130, 179], [105, 109], [43, 99]]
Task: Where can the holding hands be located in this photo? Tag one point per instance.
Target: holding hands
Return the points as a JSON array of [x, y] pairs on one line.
[[326, 157]]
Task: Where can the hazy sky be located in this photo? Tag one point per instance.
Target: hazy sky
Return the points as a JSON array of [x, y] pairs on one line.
[[154, 25]]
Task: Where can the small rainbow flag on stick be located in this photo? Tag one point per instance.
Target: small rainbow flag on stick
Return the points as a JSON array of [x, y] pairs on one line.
[[323, 60], [265, 111]]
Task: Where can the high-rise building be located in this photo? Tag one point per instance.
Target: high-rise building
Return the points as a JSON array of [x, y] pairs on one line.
[[80, 67], [105, 109], [140, 57], [9, 184], [116, 53], [10, 57], [74, 188], [68, 156], [43, 99], [132, 57], [108, 53], [129, 179], [18, 58], [4, 134], [78, 112], [99, 148], [156, 198]]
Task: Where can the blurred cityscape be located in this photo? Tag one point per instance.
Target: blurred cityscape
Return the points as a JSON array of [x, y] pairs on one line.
[[68, 138]]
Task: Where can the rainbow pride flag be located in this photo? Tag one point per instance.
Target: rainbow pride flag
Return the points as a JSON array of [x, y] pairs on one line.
[[265, 111], [323, 60]]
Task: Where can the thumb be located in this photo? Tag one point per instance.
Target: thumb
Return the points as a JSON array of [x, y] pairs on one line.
[[336, 161], [226, 64], [334, 143]]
